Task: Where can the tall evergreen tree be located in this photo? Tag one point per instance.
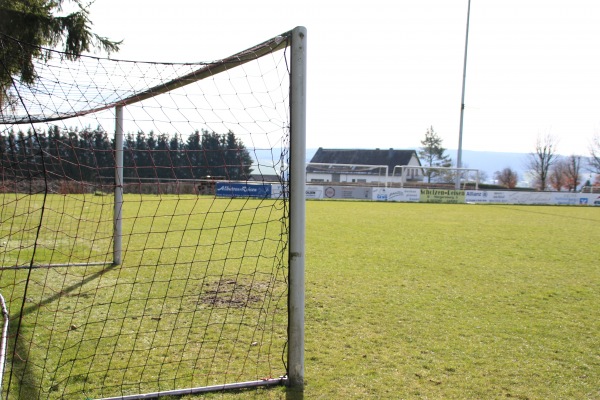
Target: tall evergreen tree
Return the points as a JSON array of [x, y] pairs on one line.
[[177, 155], [432, 154], [162, 158], [129, 165], [212, 152], [193, 159], [27, 26], [143, 162], [237, 158]]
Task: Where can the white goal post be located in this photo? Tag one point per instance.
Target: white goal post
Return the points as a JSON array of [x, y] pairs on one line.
[[347, 173], [455, 171]]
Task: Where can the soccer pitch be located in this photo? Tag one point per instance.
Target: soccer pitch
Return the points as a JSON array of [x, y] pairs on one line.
[[432, 301], [452, 301], [418, 301], [199, 299]]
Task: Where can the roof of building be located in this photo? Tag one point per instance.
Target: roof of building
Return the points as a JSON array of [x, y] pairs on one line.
[[389, 157], [264, 178]]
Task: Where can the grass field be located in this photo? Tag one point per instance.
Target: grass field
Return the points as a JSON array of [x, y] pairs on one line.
[[431, 301], [199, 299]]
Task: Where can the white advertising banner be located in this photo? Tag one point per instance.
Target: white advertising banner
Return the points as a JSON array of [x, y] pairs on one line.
[[510, 197], [396, 194], [588, 199], [470, 196], [276, 191], [347, 192], [314, 192]]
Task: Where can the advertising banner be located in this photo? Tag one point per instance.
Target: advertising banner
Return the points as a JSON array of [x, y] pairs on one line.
[[589, 199], [314, 192], [449, 196], [477, 196], [277, 191], [394, 194], [347, 192], [442, 196], [226, 189], [542, 198]]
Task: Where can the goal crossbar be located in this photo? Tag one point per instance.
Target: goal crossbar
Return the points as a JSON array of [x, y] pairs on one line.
[[209, 69], [348, 169], [404, 168]]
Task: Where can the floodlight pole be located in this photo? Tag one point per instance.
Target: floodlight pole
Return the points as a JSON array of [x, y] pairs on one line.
[[297, 211], [462, 102], [118, 216]]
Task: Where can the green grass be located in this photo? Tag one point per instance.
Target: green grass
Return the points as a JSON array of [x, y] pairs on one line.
[[198, 299], [432, 301], [441, 301]]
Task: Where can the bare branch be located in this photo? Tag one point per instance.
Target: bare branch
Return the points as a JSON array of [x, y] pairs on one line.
[[542, 159]]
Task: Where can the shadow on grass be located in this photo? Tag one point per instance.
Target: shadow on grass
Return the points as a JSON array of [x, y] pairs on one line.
[[20, 371], [67, 290]]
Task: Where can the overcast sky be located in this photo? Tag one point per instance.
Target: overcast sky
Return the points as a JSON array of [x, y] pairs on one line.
[[381, 72]]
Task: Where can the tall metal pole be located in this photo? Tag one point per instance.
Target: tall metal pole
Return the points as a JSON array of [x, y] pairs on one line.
[[297, 210], [462, 102], [118, 216]]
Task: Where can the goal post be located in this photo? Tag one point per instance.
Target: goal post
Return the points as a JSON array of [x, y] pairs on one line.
[[297, 209], [347, 173], [455, 173], [118, 211], [109, 170]]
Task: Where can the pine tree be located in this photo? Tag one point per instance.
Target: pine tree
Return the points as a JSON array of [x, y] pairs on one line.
[[29, 27], [432, 154]]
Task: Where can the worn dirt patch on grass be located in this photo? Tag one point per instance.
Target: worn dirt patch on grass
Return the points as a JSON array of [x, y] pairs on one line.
[[234, 293]]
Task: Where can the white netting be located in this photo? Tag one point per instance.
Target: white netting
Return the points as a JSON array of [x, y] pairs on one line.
[[199, 296]]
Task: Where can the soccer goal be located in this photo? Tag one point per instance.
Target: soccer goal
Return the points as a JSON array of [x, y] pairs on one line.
[[126, 269], [438, 174], [347, 173]]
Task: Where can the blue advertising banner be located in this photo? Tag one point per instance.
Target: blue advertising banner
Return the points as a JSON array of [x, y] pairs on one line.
[[226, 189]]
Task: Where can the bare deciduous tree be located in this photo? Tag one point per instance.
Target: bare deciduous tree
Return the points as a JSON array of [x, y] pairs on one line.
[[542, 159], [507, 177], [557, 176], [573, 172]]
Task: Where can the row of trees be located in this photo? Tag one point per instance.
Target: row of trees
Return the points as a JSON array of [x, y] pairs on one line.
[[88, 155], [28, 29], [547, 168], [550, 170]]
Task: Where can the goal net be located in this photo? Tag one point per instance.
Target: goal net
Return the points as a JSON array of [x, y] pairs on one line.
[[347, 173], [124, 271], [454, 175]]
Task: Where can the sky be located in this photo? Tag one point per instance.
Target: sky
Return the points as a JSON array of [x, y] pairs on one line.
[[380, 73]]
